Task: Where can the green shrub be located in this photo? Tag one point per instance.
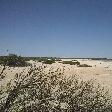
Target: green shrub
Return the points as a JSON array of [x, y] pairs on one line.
[[41, 59], [84, 65], [49, 61], [71, 62], [13, 61]]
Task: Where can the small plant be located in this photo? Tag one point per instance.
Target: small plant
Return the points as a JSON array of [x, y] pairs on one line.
[[71, 62], [84, 65], [49, 61]]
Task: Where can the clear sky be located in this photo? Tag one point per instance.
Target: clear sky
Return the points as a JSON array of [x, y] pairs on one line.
[[66, 28]]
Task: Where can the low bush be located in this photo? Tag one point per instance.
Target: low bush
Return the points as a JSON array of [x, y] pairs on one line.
[[13, 61], [71, 62], [84, 65], [52, 92], [49, 61], [41, 59]]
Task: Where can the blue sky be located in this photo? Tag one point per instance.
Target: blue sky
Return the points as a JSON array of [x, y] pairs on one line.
[[64, 28]]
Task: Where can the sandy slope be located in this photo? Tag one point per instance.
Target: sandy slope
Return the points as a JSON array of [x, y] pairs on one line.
[[100, 70]]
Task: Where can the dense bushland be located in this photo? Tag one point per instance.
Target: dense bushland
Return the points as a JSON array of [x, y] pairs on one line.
[[13, 61], [45, 60], [39, 91]]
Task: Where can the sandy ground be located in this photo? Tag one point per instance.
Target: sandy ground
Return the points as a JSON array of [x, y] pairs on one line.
[[100, 70]]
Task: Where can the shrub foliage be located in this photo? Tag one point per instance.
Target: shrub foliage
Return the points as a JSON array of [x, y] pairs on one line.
[[71, 62], [84, 65], [49, 61], [52, 92], [13, 61]]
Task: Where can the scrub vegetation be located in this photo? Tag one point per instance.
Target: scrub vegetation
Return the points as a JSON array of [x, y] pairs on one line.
[[71, 62], [13, 61], [38, 91], [84, 65]]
